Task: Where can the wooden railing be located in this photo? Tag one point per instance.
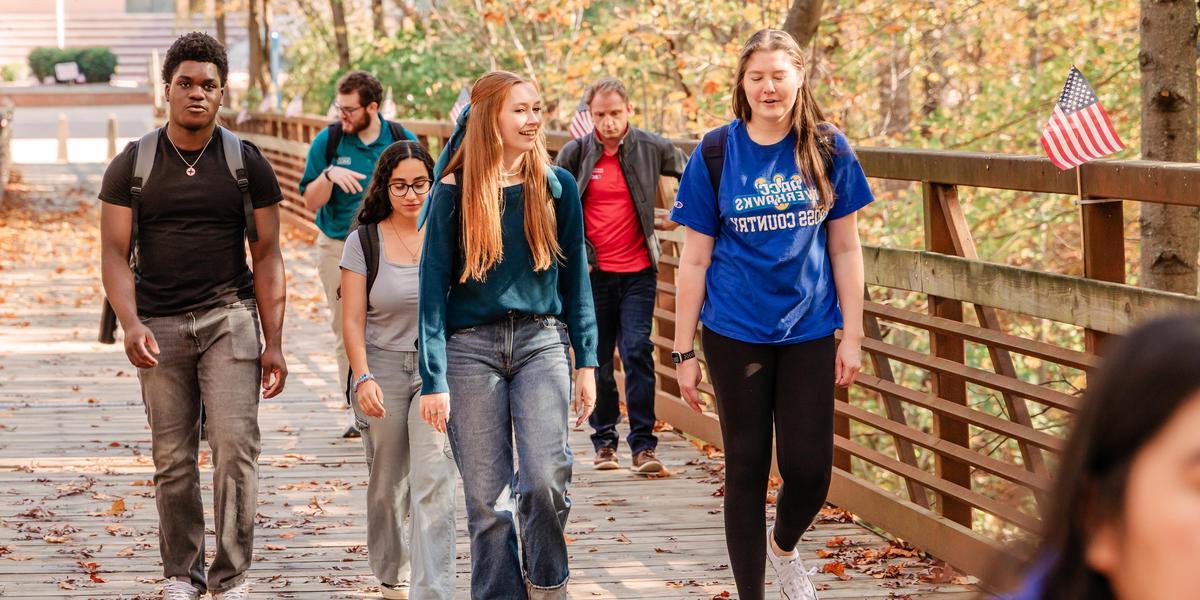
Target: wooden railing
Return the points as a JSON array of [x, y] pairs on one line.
[[908, 455], [6, 116]]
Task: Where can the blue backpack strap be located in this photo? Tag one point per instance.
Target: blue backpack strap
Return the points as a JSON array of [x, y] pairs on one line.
[[553, 182], [712, 149]]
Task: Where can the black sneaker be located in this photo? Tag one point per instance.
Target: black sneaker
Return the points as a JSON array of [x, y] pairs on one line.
[[351, 432]]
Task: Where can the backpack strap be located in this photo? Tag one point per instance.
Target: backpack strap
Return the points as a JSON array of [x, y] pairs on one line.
[[399, 133], [237, 167], [712, 148], [144, 163], [368, 238], [331, 142]]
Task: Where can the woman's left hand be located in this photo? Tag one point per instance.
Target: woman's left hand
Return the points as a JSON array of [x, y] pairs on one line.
[[585, 394], [849, 361]]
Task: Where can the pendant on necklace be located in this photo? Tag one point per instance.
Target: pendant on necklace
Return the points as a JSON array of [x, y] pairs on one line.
[[190, 171]]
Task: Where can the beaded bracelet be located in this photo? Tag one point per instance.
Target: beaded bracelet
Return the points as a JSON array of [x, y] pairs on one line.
[[362, 378]]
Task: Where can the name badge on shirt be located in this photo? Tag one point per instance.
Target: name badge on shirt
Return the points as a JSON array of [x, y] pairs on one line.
[[342, 161], [597, 173]]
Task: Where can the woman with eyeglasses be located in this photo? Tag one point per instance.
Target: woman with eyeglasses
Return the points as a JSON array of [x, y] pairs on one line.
[[411, 468]]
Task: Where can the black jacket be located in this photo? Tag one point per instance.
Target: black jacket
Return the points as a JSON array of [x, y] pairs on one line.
[[644, 157]]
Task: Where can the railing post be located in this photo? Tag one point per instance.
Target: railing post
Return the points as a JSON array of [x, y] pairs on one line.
[[666, 274], [939, 238], [1103, 251]]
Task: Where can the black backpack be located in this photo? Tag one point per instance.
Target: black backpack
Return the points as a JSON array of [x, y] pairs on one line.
[[712, 149], [335, 137], [368, 239]]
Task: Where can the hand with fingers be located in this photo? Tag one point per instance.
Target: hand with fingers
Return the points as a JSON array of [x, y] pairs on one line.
[[849, 361], [348, 181], [585, 394], [687, 374], [369, 396], [274, 372], [141, 347], [435, 410]]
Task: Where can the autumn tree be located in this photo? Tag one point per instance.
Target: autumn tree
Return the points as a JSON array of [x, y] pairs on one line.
[[1170, 234]]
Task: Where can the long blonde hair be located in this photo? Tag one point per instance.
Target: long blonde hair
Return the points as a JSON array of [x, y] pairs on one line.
[[480, 156], [807, 118]]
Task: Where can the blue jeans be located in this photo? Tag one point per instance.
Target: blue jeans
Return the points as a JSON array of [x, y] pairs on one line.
[[505, 378], [624, 312]]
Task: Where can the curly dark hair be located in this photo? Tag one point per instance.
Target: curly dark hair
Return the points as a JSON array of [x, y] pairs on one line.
[[369, 89], [376, 204], [199, 47]]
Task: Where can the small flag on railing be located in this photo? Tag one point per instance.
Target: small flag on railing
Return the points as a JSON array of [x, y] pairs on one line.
[[582, 124], [243, 117], [295, 108], [333, 113], [266, 104], [1079, 130], [388, 110], [461, 102]]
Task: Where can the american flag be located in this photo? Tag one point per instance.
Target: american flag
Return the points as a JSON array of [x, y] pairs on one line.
[[464, 98], [1079, 130], [582, 124]]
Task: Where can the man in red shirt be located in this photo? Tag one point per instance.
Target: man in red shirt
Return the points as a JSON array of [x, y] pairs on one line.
[[618, 168]]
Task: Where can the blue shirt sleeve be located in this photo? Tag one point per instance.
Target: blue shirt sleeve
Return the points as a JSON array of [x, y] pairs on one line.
[[437, 260], [849, 180], [696, 201], [316, 159], [574, 282]]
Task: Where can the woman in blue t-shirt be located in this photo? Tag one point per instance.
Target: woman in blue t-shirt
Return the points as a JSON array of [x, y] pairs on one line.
[[773, 266]]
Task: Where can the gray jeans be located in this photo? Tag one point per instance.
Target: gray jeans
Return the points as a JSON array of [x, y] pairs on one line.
[[410, 496], [210, 357]]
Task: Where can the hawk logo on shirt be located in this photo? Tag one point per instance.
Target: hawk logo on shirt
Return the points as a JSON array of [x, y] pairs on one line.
[[342, 161]]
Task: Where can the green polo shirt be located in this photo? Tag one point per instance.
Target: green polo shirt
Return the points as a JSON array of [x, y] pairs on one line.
[[335, 218]]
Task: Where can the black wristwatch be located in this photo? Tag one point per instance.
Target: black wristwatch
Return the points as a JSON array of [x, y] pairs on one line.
[[677, 357]]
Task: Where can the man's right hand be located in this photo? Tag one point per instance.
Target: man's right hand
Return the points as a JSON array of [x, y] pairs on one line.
[[346, 179], [140, 346]]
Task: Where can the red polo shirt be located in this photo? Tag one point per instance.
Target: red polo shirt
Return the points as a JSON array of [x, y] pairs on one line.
[[611, 221]]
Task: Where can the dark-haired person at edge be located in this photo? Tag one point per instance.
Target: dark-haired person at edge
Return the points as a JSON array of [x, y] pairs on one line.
[[1125, 519], [772, 265], [618, 167], [504, 298], [334, 189], [410, 494], [192, 315]]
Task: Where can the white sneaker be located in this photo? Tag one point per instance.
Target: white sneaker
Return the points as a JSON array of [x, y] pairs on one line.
[[393, 592], [793, 579], [178, 589], [241, 592]]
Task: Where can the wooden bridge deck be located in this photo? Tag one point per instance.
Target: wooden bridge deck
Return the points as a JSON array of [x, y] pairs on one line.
[[77, 516]]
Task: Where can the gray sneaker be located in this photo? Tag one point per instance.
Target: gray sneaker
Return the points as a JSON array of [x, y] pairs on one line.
[[178, 589], [241, 592], [793, 579]]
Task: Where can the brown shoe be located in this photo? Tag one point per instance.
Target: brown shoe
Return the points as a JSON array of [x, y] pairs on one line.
[[646, 462], [606, 459]]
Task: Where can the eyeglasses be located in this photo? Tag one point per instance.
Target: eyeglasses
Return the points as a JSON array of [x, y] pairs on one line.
[[347, 111], [400, 189]]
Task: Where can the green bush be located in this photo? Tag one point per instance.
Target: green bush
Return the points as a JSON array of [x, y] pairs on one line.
[[96, 64]]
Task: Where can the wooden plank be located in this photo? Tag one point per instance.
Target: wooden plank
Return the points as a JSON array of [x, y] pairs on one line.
[[1103, 253], [947, 384], [1107, 307]]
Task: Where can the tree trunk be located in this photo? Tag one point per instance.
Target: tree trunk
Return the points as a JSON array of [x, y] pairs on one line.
[[219, 14], [339, 31], [802, 20], [377, 19], [1170, 234], [895, 102], [256, 79], [266, 41]]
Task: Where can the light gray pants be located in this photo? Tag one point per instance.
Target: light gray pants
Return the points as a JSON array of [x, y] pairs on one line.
[[210, 357], [410, 497]]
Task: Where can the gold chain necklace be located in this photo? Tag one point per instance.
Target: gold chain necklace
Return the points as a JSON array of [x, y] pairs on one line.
[[396, 233]]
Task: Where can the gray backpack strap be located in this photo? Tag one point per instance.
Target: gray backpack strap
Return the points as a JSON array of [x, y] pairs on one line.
[[144, 163], [237, 167]]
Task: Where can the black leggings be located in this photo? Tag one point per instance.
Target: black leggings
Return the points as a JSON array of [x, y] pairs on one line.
[[759, 388]]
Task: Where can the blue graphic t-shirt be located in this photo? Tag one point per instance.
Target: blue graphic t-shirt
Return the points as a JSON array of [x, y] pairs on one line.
[[770, 280]]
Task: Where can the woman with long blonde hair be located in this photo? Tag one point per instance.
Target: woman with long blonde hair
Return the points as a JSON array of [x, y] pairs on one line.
[[505, 296], [772, 265]]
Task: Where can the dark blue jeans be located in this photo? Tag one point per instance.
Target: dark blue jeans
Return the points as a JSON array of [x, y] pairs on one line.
[[624, 312]]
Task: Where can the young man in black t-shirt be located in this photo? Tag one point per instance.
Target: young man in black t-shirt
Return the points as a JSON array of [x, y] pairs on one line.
[[191, 318]]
